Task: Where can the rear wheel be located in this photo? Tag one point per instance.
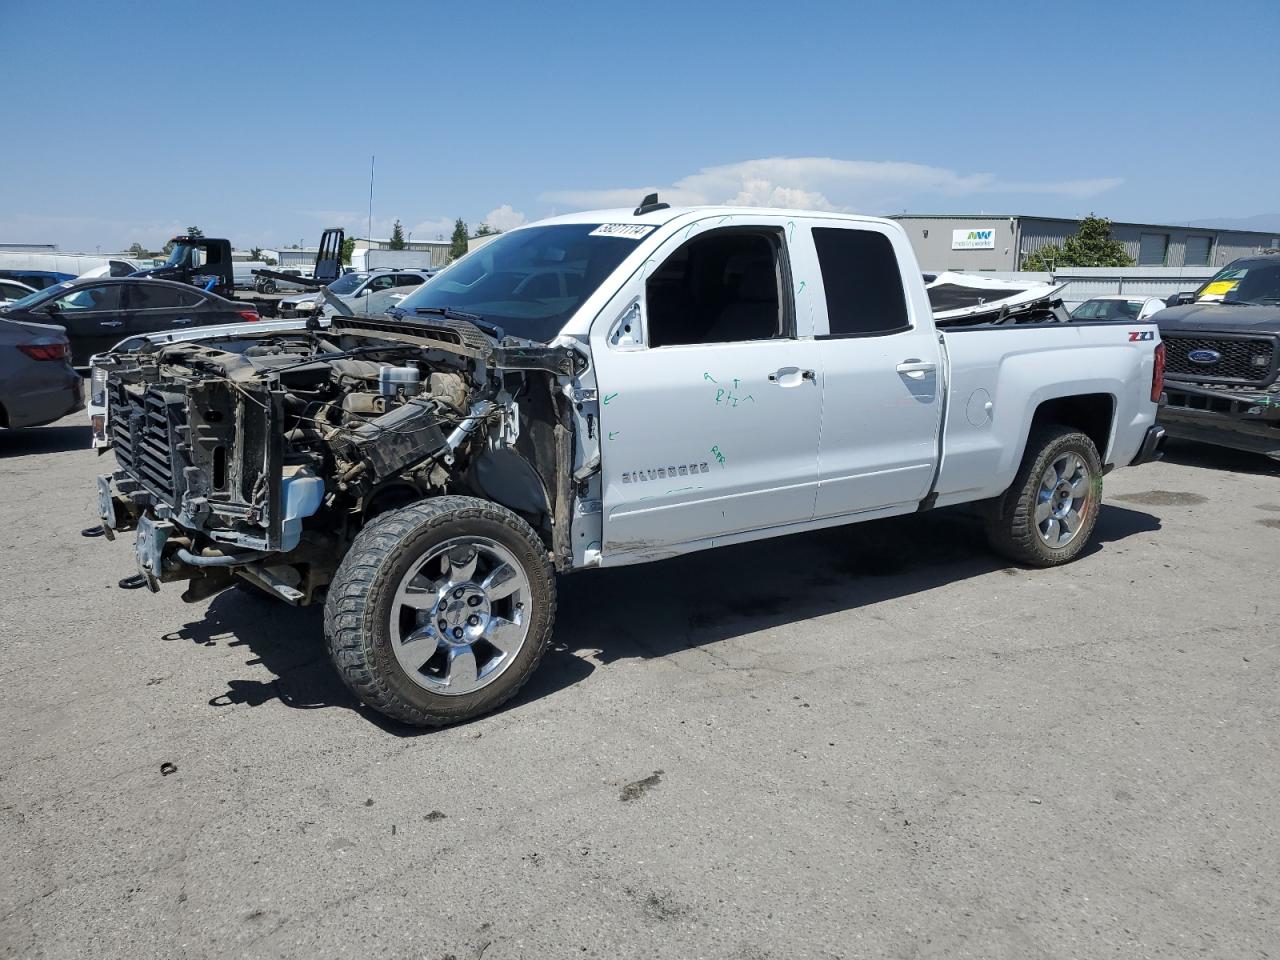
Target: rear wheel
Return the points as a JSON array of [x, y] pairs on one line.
[[441, 610], [1047, 515]]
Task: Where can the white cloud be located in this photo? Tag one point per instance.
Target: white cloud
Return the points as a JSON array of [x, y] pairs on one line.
[[504, 218], [439, 229], [83, 234], [825, 183], [356, 224]]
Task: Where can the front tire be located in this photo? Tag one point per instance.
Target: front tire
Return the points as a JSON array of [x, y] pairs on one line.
[[441, 610], [1047, 515]]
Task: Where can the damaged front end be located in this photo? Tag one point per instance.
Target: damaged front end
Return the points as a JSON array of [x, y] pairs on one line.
[[261, 457]]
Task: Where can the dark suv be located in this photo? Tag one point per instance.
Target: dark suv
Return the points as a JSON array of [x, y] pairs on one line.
[[1223, 355]]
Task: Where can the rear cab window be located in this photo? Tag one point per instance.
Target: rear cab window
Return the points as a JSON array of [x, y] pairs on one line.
[[862, 280]]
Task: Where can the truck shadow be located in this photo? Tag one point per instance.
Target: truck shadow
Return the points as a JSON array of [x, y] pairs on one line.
[[652, 610], [53, 439], [703, 598], [1189, 453], [289, 642]]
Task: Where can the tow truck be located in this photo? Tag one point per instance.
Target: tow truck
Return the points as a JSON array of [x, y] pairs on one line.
[[206, 262]]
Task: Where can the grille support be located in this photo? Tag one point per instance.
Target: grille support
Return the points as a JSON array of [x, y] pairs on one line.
[[144, 433]]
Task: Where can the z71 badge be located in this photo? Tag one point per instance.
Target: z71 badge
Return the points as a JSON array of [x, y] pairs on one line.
[[1141, 335]]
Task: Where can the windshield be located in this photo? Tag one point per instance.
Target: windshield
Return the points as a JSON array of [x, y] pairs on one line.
[[181, 251], [529, 281], [37, 298], [1107, 310], [347, 283], [1253, 281]]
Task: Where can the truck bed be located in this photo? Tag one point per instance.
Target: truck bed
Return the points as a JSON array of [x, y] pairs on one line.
[[1034, 363]]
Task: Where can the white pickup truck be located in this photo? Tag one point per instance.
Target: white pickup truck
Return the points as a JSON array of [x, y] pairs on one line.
[[594, 390]]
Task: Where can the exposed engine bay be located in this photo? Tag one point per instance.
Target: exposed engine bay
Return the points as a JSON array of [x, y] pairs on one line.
[[262, 456]]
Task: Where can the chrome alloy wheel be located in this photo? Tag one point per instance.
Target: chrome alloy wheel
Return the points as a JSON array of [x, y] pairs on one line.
[[1062, 500], [460, 615]]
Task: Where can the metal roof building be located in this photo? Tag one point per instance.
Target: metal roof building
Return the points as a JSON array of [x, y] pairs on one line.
[[989, 242]]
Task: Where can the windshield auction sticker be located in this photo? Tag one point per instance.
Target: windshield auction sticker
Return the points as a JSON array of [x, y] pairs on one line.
[[628, 231]]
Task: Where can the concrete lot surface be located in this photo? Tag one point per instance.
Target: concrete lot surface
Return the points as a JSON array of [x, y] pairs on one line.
[[877, 741]]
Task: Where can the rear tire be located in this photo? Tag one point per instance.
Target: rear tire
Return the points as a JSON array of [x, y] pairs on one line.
[[1047, 515], [441, 610]]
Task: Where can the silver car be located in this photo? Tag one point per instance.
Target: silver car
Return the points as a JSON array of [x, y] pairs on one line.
[[37, 382], [351, 287], [374, 305]]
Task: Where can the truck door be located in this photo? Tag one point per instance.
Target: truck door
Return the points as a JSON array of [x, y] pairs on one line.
[[881, 367], [708, 397]]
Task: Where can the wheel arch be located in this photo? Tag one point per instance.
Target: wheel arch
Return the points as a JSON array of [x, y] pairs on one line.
[[507, 478], [1093, 414]]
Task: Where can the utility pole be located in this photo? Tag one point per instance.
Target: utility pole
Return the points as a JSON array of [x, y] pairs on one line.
[[370, 236]]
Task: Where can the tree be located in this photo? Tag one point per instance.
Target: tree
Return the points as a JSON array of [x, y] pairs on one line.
[[458, 242], [397, 237], [255, 253], [348, 248], [137, 250], [484, 230], [190, 232], [1091, 246]]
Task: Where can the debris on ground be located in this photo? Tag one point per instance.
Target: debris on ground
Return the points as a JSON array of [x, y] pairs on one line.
[[634, 791]]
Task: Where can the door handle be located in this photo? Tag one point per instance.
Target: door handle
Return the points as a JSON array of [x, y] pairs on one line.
[[790, 376], [110, 323], [183, 320], [916, 369]]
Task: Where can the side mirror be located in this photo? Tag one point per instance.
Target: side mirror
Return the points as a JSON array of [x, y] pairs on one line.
[[1180, 299]]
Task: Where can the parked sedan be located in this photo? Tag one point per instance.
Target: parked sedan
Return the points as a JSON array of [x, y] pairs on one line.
[[101, 312], [1117, 307], [11, 290], [37, 382]]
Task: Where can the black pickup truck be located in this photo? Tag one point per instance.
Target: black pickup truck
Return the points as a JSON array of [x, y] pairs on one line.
[[1222, 359]]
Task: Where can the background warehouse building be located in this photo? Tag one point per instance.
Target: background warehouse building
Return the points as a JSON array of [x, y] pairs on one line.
[[999, 243]]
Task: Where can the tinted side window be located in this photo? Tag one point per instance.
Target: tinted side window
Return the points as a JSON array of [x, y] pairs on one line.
[[146, 296], [91, 298], [725, 286], [407, 280], [865, 296]]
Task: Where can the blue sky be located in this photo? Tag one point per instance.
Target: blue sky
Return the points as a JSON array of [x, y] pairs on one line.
[[256, 121]]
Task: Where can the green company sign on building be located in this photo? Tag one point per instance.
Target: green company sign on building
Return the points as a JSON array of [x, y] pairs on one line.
[[973, 239]]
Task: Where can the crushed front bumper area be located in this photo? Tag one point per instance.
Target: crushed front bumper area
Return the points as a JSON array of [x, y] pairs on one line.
[[202, 480], [167, 552], [1237, 418]]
